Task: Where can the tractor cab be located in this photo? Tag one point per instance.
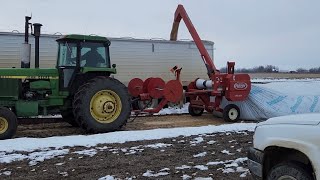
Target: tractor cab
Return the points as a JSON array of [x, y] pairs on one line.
[[80, 55]]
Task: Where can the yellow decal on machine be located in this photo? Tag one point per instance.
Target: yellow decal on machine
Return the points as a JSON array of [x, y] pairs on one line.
[[29, 77]]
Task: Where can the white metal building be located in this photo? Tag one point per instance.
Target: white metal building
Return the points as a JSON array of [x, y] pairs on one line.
[[141, 58]]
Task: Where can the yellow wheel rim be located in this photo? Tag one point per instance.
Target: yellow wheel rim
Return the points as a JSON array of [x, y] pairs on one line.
[[3, 125], [105, 106]]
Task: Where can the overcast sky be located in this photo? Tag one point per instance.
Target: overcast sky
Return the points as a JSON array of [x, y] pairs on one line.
[[285, 33]]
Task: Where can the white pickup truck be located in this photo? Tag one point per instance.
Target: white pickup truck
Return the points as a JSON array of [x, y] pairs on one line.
[[286, 147]]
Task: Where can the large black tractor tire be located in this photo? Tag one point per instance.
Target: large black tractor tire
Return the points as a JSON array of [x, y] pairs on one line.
[[289, 170], [231, 113], [68, 117], [8, 123], [102, 105], [195, 111]]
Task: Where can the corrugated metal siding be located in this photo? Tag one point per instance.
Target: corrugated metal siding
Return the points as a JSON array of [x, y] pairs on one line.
[[134, 57]]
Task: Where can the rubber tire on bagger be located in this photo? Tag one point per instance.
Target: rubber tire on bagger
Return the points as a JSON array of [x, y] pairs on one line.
[[87, 93], [68, 117], [289, 169], [229, 111], [12, 122], [195, 111]]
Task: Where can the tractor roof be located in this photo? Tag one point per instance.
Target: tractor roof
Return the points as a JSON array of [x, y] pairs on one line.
[[79, 37]]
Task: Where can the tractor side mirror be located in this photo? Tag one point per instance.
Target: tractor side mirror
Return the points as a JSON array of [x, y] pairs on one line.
[[114, 65]]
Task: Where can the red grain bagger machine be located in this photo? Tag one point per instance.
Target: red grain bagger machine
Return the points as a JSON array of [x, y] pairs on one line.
[[203, 94]]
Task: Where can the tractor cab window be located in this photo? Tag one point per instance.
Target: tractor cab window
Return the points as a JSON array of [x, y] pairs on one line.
[[67, 54], [94, 55]]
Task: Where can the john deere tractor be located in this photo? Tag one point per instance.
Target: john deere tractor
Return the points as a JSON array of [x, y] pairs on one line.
[[79, 88]]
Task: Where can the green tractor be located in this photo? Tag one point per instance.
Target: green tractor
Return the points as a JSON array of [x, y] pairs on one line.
[[79, 88]]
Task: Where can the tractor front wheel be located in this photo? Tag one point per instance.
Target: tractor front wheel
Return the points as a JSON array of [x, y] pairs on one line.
[[8, 123], [102, 105]]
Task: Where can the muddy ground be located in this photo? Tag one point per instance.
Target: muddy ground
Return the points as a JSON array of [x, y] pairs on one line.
[[176, 158], [139, 123], [188, 157]]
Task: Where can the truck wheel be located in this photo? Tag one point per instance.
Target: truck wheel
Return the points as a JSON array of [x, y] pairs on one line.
[[102, 105], [69, 118], [231, 113], [289, 170], [8, 123], [195, 111]]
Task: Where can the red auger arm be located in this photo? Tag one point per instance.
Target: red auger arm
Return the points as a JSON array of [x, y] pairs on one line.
[[182, 14]]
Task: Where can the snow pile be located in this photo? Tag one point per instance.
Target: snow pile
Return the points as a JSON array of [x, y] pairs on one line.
[[273, 98]]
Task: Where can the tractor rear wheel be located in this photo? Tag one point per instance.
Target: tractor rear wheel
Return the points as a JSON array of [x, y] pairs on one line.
[[8, 123], [102, 105], [68, 117]]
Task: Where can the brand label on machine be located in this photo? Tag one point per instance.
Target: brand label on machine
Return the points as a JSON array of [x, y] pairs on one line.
[[240, 86]]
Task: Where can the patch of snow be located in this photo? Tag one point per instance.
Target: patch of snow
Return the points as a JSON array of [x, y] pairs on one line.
[[242, 169], [31, 144], [174, 110], [64, 174], [102, 148], [107, 177], [183, 167], [211, 142], [231, 164], [244, 174], [186, 177], [88, 152], [59, 164], [8, 158], [124, 150], [203, 178], [227, 152], [158, 145], [234, 164], [201, 167], [7, 173], [150, 173], [37, 157], [228, 170], [200, 154], [165, 169], [197, 140], [239, 150], [215, 163]]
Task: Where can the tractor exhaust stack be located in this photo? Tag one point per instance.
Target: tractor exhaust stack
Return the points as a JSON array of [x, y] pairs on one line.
[[37, 32], [26, 47]]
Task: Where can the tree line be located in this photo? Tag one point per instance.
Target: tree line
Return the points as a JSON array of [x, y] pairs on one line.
[[271, 69]]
